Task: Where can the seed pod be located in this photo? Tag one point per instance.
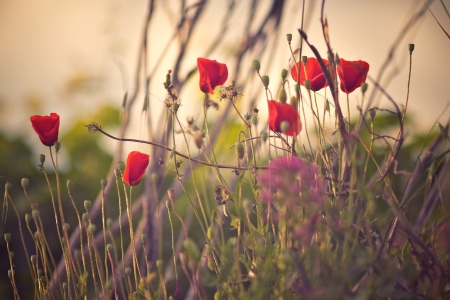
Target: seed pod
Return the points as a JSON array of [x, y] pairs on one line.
[[284, 74], [41, 158], [304, 59], [240, 150], [363, 87], [282, 96], [411, 48], [103, 183], [121, 166], [289, 37], [264, 136], [7, 236], [25, 182], [87, 204], [266, 80], [256, 65], [69, 184]]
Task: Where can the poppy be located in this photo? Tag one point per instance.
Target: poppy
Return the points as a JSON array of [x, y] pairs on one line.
[[314, 73], [352, 74], [137, 163], [212, 74], [47, 128], [279, 113]]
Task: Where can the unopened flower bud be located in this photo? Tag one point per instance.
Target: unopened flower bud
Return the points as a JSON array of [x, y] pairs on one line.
[[10, 274], [284, 74], [41, 158], [69, 184], [7, 236], [85, 217], [294, 102], [117, 173], [307, 84], [91, 228], [304, 59], [363, 87], [121, 166], [284, 126], [87, 204], [27, 218], [25, 182], [64, 286], [33, 258], [289, 37], [254, 120], [372, 113], [198, 139], [128, 270], [66, 227], [109, 248], [11, 254], [103, 183], [338, 60], [143, 237], [8, 187], [211, 232], [240, 150], [265, 80], [411, 48], [35, 214], [57, 146], [282, 96], [159, 265], [40, 272], [256, 65], [264, 136]]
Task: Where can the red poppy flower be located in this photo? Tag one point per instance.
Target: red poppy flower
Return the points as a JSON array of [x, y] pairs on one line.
[[314, 73], [137, 163], [212, 74], [284, 112], [352, 74], [47, 127]]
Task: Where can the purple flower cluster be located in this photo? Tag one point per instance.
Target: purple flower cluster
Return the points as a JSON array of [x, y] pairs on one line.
[[292, 181]]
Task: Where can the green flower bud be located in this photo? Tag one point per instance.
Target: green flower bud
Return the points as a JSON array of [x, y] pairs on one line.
[[25, 182], [110, 248], [57, 146], [304, 60], [66, 227], [103, 183], [294, 102], [191, 249], [11, 254], [307, 84], [27, 218], [411, 48], [282, 97], [284, 126], [87, 204], [41, 158], [36, 235], [35, 214], [91, 228], [143, 237], [117, 173], [372, 113], [240, 150], [10, 274], [256, 65], [264, 136], [211, 265], [69, 184], [33, 258], [289, 37], [121, 166], [254, 120], [211, 232], [265, 80], [217, 295], [159, 264], [363, 87], [85, 217], [8, 187], [284, 74], [7, 236]]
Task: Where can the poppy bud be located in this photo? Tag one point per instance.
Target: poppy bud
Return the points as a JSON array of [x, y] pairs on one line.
[[85, 217], [43, 279], [297, 88], [304, 59], [264, 136], [69, 184], [143, 237], [8, 187], [284, 126], [57, 146], [117, 173], [25, 182], [411, 48], [27, 218], [198, 139], [87, 204], [282, 97], [35, 214], [254, 120], [40, 272], [338, 60], [211, 266], [10, 274], [159, 265], [121, 166], [64, 285], [265, 80], [41, 158], [91, 228], [109, 248], [11, 254], [239, 150], [210, 233], [33, 258], [289, 37], [363, 87], [7, 236], [256, 65], [294, 102], [372, 113], [307, 84], [284, 74], [66, 227], [191, 249]]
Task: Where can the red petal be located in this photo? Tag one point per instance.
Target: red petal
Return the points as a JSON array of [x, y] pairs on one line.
[[212, 74], [137, 163], [352, 74], [47, 128]]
